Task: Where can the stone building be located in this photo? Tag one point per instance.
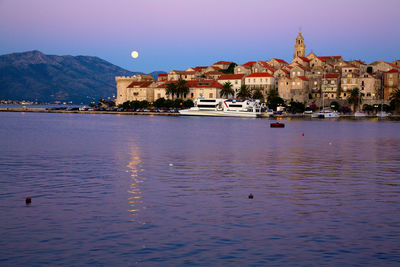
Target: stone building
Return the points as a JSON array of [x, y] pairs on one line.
[[237, 80], [391, 82], [299, 47], [260, 81], [123, 82], [370, 86], [197, 88], [349, 81], [331, 85]]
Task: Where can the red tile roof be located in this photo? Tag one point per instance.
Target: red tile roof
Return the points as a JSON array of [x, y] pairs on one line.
[[163, 75], [196, 84], [222, 62], [332, 75], [323, 60], [139, 84], [259, 74], [303, 78], [392, 71], [183, 72], [360, 62], [331, 57], [393, 65], [304, 59], [249, 64], [231, 76], [280, 60]]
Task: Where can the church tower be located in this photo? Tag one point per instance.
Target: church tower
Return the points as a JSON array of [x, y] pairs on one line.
[[299, 47]]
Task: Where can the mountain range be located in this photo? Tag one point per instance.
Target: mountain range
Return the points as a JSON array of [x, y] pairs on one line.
[[34, 76]]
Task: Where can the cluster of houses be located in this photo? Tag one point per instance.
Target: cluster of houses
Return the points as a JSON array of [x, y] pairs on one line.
[[306, 79]]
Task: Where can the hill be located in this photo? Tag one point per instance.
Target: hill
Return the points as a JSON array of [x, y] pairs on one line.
[[35, 76]]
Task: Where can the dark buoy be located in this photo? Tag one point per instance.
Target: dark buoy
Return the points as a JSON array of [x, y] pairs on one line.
[[251, 196], [28, 200]]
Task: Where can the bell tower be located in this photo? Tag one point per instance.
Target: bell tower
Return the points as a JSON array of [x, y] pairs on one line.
[[299, 47]]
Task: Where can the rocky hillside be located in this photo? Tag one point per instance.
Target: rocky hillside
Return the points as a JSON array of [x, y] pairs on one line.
[[36, 76]]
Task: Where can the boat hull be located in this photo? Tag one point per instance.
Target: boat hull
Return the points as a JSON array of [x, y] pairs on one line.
[[207, 113]]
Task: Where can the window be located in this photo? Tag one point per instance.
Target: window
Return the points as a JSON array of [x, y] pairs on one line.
[[298, 73], [210, 95], [315, 82], [333, 82], [368, 94], [236, 82], [191, 95], [294, 73], [344, 94], [298, 83], [158, 95], [254, 80], [293, 83]]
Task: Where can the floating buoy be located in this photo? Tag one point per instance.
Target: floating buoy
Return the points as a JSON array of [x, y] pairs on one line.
[[302, 134], [171, 164], [28, 200], [251, 196]]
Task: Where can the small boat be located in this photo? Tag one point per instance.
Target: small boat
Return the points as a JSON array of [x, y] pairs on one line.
[[277, 125], [325, 114], [360, 114], [382, 114]]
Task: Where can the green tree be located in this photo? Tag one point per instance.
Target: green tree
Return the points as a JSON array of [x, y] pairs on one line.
[[275, 102], [368, 108], [188, 104], [354, 98], [160, 103], [227, 90], [395, 100], [230, 69], [171, 89], [335, 105], [178, 103], [271, 94], [168, 103], [244, 92], [182, 88], [295, 107], [257, 94], [273, 99], [144, 104]]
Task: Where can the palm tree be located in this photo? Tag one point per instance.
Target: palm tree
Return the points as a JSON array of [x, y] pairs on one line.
[[272, 94], [257, 94], [244, 92], [395, 99], [171, 89], [182, 87], [227, 90], [354, 98]]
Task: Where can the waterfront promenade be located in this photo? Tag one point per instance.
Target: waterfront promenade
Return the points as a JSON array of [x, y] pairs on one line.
[[148, 113]]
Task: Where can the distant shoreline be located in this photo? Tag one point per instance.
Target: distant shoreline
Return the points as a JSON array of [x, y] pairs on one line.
[[283, 116]]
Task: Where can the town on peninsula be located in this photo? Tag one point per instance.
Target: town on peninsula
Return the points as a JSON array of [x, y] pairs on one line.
[[308, 80]]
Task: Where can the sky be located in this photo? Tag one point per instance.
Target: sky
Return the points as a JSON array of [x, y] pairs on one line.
[[178, 34]]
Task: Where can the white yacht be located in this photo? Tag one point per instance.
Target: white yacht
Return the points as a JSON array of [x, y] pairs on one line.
[[220, 107], [325, 114], [360, 114], [382, 114]]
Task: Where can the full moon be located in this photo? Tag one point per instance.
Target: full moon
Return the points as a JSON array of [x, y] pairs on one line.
[[134, 54]]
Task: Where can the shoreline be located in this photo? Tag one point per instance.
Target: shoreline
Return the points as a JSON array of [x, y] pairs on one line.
[[283, 116]]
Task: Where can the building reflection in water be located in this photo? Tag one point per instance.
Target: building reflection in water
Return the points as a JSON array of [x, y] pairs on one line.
[[135, 191]]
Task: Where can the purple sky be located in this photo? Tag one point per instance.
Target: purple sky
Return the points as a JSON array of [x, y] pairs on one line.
[[177, 34]]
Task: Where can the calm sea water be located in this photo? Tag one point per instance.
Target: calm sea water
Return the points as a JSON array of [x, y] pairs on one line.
[[170, 191]]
